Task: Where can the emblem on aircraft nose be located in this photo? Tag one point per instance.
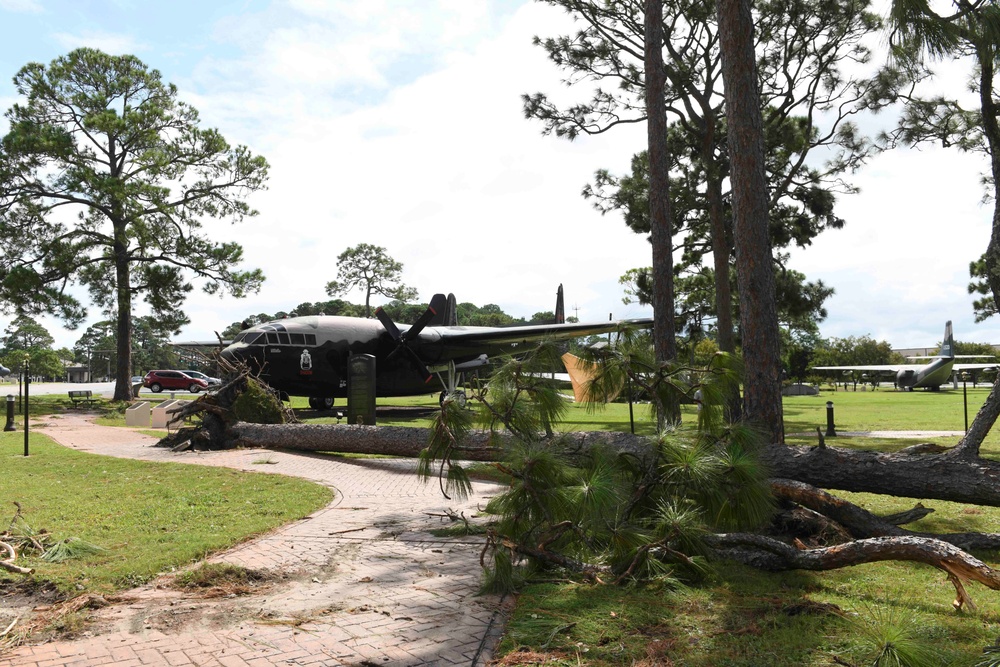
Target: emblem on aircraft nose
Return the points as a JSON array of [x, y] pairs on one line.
[[305, 363]]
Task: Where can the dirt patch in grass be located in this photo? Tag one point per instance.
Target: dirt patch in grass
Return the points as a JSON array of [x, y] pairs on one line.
[[527, 657], [215, 580]]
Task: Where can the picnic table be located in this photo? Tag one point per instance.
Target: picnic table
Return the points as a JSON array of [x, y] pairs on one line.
[[82, 396]]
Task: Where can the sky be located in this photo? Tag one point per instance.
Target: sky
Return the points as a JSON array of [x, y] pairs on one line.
[[399, 123]]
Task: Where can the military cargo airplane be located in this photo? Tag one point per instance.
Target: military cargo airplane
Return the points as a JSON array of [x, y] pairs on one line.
[[931, 375], [307, 356]]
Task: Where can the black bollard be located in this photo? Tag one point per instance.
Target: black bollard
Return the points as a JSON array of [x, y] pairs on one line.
[[10, 414], [830, 432]]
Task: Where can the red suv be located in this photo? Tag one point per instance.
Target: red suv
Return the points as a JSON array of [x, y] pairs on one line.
[[157, 381]]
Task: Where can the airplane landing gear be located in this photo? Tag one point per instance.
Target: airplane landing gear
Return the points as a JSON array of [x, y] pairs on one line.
[[317, 403], [458, 396]]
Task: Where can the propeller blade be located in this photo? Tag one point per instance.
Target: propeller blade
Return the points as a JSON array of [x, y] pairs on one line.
[[387, 322], [438, 303], [420, 366]]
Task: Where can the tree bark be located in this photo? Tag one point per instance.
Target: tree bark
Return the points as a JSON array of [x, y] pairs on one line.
[[754, 265], [661, 233], [778, 555], [990, 411], [402, 441], [123, 332], [937, 476], [941, 476], [861, 523]]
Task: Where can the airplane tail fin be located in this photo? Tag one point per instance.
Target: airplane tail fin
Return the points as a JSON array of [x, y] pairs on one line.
[[560, 306], [948, 343], [448, 316]]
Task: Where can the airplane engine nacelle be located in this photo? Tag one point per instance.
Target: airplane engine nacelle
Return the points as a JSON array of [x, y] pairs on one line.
[[906, 378]]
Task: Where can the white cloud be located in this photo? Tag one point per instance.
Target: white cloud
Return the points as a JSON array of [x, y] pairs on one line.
[[446, 174], [115, 44], [22, 6]]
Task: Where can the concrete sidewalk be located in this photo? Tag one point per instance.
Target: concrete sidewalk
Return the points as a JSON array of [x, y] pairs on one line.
[[366, 583]]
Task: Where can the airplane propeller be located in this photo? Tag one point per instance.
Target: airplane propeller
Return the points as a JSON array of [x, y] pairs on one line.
[[438, 303]]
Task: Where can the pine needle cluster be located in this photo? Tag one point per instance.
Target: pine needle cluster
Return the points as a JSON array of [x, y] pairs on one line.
[[606, 515]]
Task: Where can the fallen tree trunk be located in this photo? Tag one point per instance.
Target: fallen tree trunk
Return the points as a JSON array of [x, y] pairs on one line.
[[940, 476], [402, 441], [920, 476]]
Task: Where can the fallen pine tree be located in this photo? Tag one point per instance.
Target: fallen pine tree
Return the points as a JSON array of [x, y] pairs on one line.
[[829, 532]]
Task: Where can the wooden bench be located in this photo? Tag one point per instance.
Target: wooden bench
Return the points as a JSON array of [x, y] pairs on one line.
[[82, 396]]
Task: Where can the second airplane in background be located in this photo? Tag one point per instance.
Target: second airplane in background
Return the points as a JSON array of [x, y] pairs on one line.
[[930, 375]]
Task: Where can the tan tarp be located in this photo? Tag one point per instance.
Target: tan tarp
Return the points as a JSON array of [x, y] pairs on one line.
[[580, 375]]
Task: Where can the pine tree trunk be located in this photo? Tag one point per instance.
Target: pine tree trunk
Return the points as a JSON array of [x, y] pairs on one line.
[[988, 414], [665, 344], [123, 331], [920, 476], [754, 267]]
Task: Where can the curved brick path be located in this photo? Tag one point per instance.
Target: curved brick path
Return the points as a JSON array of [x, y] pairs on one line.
[[368, 586]]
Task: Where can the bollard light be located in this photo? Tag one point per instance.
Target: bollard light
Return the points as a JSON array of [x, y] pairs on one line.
[[10, 414], [830, 431]]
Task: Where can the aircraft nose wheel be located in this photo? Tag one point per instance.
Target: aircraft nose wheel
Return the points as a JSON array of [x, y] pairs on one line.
[[459, 397], [317, 403]]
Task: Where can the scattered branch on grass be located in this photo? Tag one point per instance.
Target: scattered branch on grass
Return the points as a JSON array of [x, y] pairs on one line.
[[8, 563]]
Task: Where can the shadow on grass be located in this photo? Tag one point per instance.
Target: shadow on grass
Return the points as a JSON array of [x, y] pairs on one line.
[[742, 617]]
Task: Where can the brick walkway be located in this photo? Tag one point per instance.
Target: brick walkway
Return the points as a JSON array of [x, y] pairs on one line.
[[367, 585]]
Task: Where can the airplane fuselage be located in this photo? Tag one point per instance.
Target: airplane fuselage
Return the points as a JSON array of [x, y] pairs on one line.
[[307, 356], [931, 375]]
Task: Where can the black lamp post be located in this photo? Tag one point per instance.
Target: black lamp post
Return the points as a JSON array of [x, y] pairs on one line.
[[965, 401], [27, 383]]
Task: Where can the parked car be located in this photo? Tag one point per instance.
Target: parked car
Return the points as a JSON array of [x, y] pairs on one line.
[[157, 381], [212, 382]]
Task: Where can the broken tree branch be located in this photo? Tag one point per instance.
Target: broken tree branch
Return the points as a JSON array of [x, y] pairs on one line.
[[958, 565]]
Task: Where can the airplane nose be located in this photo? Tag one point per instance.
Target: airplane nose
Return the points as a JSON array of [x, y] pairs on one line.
[[229, 354]]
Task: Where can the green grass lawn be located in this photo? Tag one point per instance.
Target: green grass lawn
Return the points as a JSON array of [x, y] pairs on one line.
[[154, 517], [149, 517], [746, 617]]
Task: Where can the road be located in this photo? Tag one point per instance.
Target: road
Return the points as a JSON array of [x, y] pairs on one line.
[[105, 389]]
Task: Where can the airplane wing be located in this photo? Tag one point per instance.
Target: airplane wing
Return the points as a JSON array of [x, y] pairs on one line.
[[196, 344], [975, 367], [874, 368], [475, 337]]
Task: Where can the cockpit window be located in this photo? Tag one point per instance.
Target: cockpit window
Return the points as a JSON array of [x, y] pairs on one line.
[[275, 338]]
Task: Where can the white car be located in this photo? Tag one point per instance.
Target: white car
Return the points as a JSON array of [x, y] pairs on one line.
[[212, 382]]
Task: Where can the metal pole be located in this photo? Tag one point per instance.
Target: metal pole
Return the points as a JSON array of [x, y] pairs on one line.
[[830, 432], [965, 403], [631, 416], [27, 381]]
